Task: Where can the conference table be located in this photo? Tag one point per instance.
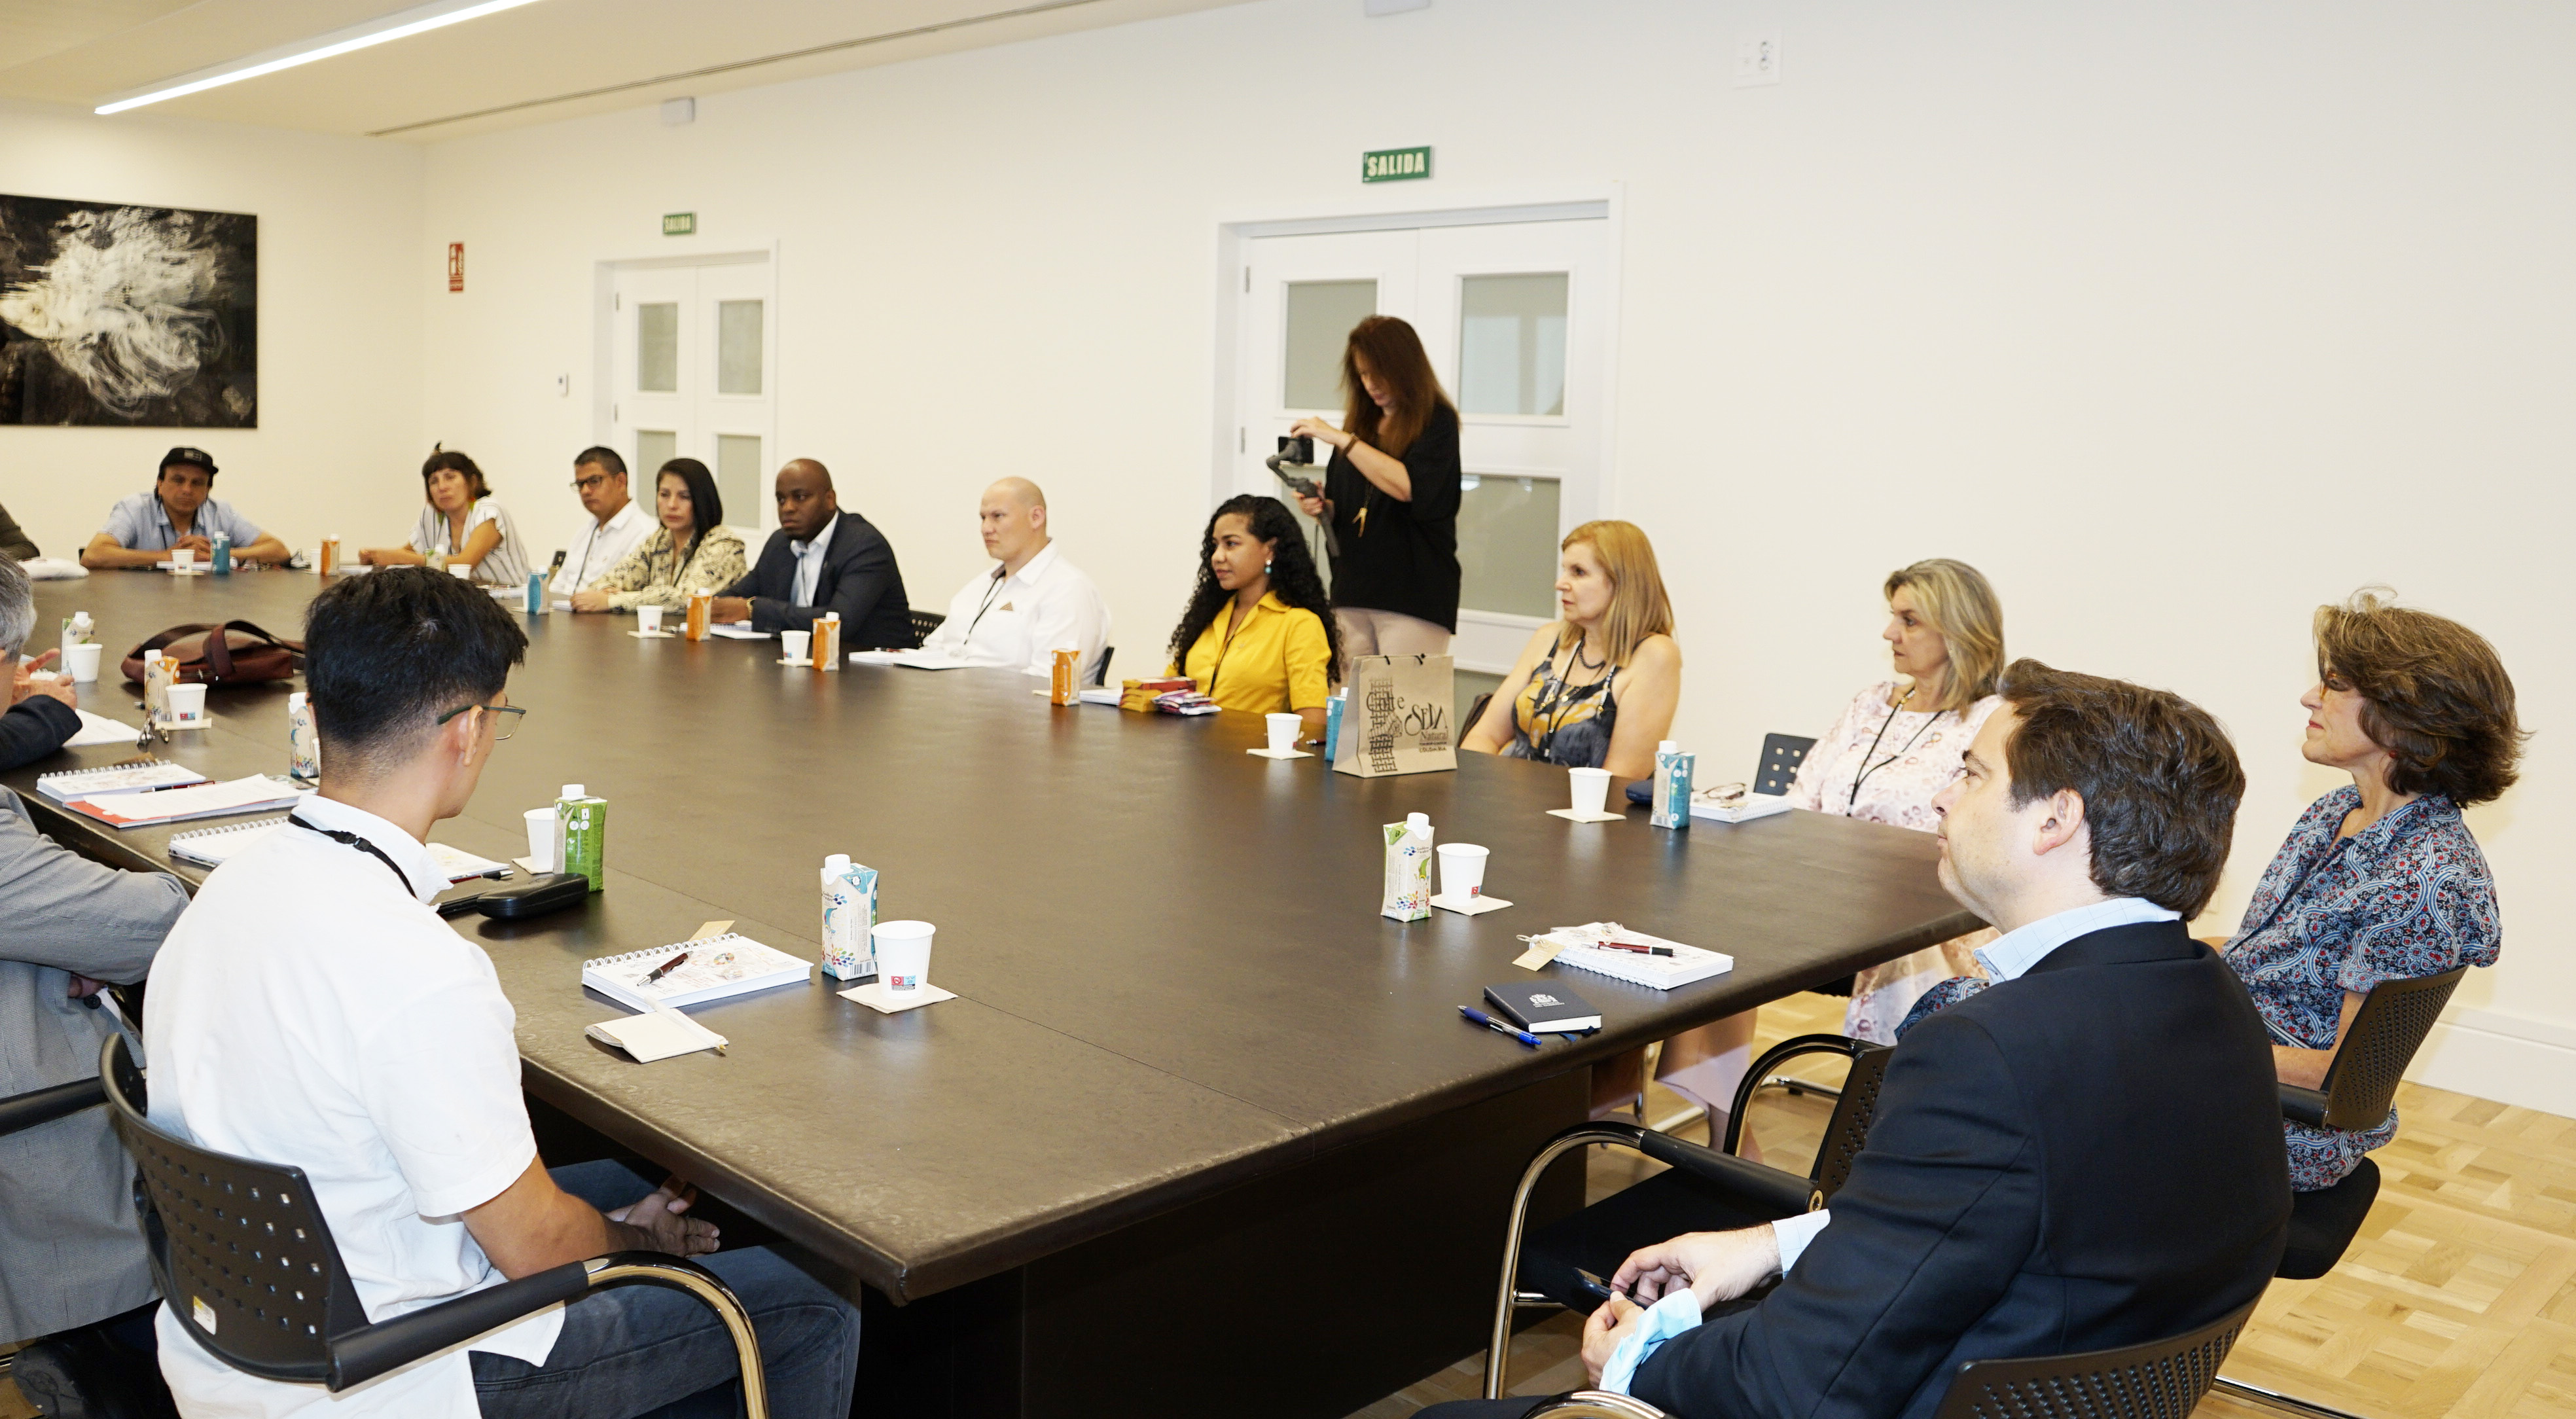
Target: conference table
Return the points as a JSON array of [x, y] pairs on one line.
[[1202, 1129]]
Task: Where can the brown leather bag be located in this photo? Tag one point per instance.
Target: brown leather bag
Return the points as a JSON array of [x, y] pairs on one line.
[[234, 653]]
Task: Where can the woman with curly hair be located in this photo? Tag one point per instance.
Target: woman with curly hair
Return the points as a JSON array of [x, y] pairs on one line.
[[1258, 634], [2379, 880]]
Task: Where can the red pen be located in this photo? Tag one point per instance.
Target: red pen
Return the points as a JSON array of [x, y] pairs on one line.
[[1639, 947], [665, 968]]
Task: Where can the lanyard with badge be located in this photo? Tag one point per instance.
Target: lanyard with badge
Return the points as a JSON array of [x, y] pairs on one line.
[[355, 841], [999, 576]]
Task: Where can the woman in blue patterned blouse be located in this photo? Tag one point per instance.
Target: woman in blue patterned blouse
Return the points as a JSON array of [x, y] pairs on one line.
[[2379, 881]]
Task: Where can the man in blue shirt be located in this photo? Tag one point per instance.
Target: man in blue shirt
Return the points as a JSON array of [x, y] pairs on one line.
[[180, 511]]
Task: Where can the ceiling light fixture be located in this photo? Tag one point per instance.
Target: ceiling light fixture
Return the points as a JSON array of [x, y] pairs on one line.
[[402, 24]]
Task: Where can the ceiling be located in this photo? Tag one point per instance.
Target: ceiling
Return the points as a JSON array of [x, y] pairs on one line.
[[541, 62]]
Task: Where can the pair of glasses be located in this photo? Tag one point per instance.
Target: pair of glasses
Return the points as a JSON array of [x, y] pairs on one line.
[[503, 729], [584, 485]]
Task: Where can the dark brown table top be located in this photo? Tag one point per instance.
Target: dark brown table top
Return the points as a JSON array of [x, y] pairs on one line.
[[1173, 972]]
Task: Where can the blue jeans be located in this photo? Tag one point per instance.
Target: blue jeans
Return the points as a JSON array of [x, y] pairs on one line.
[[633, 1350]]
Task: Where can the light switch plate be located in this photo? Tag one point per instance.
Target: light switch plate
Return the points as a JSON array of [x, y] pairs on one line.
[[1757, 58]]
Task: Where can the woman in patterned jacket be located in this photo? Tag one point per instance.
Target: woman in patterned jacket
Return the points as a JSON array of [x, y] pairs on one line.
[[2381, 880]]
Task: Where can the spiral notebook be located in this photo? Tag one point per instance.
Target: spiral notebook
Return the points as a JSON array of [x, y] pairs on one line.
[[139, 777], [1685, 965], [254, 794], [211, 846], [718, 967]]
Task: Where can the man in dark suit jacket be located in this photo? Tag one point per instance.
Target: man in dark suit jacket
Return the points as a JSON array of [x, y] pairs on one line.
[[822, 559], [2084, 1155]]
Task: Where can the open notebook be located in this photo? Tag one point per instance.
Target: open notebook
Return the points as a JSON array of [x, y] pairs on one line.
[[718, 967], [1685, 965], [139, 777], [211, 846]]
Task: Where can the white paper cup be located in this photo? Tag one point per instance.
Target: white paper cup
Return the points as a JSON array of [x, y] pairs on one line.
[[903, 955], [461, 571], [84, 662], [1591, 789], [1283, 730], [187, 704], [795, 644], [1462, 871], [648, 619], [541, 838], [181, 557]]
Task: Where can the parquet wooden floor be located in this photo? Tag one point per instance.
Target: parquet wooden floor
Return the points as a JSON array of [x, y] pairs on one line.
[[2457, 1299]]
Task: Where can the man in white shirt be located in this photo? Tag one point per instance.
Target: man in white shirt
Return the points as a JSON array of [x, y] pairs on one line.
[[2083, 1156], [599, 476], [311, 1008], [1033, 604]]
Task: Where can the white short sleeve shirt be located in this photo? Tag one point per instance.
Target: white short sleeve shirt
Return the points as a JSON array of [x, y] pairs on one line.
[[310, 1008], [506, 565], [1021, 620]]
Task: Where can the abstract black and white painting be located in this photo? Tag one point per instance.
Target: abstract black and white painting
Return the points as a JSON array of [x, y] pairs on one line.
[[128, 315]]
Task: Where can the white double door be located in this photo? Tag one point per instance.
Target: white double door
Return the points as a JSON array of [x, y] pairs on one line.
[[694, 376], [1514, 316]]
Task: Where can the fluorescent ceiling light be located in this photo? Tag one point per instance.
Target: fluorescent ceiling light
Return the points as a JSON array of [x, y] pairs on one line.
[[402, 24]]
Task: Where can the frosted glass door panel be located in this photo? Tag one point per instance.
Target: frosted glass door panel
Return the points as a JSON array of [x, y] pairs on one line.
[[738, 479], [1511, 345], [657, 348], [1507, 544], [1320, 317], [738, 347], [653, 448]]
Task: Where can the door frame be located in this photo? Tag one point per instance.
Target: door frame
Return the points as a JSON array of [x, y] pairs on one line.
[[603, 330], [1233, 277]]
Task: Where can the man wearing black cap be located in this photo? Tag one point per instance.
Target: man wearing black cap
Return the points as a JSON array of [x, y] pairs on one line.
[[180, 511]]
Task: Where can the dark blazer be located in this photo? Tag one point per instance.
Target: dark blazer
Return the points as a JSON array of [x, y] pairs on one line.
[[2085, 1157], [859, 579]]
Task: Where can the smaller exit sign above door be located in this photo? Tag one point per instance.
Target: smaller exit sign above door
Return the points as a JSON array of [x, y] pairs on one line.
[[679, 224], [1395, 165]]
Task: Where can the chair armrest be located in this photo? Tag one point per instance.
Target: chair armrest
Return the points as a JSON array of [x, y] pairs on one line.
[[2306, 1106], [1767, 1189], [45, 1105], [364, 1354]]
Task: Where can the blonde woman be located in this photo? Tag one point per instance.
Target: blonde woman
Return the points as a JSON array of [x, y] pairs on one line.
[[1596, 687], [1898, 743]]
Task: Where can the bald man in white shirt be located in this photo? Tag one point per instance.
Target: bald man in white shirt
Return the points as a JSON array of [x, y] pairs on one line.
[[1033, 603]]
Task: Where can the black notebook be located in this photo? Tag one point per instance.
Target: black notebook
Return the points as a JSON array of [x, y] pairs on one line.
[[1542, 1007]]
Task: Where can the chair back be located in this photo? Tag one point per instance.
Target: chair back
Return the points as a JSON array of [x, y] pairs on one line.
[[2390, 1026], [924, 622], [1853, 1113], [1100, 672], [2162, 1379], [1778, 766], [239, 1247], [1475, 712]]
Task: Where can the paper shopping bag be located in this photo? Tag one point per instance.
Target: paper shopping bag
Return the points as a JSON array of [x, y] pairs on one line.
[[1402, 717]]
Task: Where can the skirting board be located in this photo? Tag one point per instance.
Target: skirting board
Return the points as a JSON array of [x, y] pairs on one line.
[[2513, 1060]]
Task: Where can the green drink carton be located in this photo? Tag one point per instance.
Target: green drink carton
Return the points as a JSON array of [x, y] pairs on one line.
[[581, 835]]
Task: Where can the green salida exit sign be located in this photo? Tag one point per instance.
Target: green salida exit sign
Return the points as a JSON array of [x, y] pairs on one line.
[[1395, 165], [679, 224]]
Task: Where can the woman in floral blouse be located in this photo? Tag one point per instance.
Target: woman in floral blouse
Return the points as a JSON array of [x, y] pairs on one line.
[[2381, 880], [1898, 743], [691, 551]]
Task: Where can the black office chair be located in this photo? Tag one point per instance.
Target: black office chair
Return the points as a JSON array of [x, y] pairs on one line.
[[924, 622], [81, 1371], [1778, 766], [2361, 1083], [1703, 1189], [1475, 711], [1100, 673], [247, 1265], [2162, 1379]]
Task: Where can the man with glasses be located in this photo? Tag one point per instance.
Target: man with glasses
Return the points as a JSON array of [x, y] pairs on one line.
[[311, 1008], [616, 524]]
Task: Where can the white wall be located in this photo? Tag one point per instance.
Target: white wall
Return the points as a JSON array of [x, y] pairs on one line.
[[2177, 320], [339, 321]]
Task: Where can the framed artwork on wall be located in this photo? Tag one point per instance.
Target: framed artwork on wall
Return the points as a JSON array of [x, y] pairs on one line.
[[124, 316]]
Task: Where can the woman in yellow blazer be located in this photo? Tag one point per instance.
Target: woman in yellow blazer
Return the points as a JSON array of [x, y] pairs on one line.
[[1259, 633]]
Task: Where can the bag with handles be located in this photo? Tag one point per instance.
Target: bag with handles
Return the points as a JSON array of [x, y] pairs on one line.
[[234, 653], [1400, 718]]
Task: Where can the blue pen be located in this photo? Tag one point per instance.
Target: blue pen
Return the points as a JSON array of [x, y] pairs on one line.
[[1498, 1027]]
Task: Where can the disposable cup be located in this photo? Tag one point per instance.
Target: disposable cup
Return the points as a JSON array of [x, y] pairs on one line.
[[541, 838], [1283, 730], [903, 955], [795, 644], [648, 619], [84, 661], [1591, 789], [1462, 871], [462, 571], [187, 704], [182, 557]]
